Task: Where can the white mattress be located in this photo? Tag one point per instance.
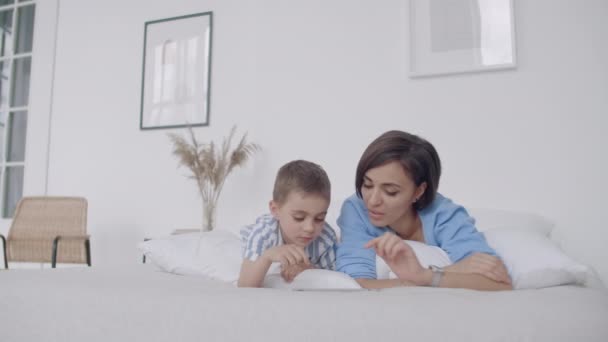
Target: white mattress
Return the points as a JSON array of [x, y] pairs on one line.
[[96, 304]]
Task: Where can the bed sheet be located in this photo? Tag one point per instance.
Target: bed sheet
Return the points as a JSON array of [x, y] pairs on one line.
[[143, 304]]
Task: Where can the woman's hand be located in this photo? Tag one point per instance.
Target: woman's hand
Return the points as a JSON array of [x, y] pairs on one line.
[[290, 272], [400, 258], [287, 255], [483, 264]]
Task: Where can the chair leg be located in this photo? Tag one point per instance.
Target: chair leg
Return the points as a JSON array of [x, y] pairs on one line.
[[143, 258], [87, 247], [4, 249], [54, 255]]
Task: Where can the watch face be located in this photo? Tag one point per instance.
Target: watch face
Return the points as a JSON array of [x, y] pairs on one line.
[[436, 268]]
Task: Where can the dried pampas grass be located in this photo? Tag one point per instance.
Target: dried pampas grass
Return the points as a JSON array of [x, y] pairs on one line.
[[210, 165]]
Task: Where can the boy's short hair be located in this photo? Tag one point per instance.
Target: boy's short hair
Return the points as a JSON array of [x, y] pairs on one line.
[[301, 175]]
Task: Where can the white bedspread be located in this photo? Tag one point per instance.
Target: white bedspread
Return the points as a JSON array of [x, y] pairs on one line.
[[139, 304]]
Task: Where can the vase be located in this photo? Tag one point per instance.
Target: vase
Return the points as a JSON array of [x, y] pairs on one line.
[[208, 216]]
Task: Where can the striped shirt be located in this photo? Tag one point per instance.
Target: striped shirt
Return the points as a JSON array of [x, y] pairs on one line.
[[265, 233]]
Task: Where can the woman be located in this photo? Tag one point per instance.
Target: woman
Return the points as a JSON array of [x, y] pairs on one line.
[[396, 182]]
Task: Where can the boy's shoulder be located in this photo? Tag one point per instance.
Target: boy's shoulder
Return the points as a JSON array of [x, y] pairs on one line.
[[328, 235], [265, 222], [259, 236]]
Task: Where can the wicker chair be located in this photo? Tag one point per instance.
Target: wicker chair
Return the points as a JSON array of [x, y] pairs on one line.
[[48, 229]]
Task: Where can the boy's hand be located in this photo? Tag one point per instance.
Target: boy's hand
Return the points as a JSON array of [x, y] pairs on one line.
[[289, 254], [290, 272]]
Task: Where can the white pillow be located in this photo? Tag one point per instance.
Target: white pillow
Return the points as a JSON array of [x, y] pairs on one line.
[[313, 279], [427, 255], [215, 254], [534, 261], [487, 219], [219, 257]]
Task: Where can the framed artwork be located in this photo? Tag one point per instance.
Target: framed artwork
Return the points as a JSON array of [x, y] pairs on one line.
[[459, 36], [175, 86]]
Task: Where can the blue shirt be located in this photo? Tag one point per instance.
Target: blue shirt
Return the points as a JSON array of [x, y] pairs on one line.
[[265, 233], [445, 224]]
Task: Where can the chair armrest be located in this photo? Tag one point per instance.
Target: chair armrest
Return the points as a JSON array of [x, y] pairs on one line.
[[72, 237], [87, 245], [4, 250]]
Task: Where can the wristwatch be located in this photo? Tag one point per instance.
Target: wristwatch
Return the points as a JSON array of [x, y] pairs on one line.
[[437, 275]]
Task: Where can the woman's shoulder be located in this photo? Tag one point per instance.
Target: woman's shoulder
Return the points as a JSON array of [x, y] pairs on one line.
[[353, 202], [353, 214], [353, 206], [353, 198], [443, 210], [441, 204], [444, 213]]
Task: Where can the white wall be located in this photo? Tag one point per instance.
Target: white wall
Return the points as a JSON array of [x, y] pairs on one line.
[[319, 80]]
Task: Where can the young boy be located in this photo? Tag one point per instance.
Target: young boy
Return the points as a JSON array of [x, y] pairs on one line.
[[295, 233]]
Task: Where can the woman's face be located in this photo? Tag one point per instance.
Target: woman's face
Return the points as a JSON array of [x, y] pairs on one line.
[[389, 193]]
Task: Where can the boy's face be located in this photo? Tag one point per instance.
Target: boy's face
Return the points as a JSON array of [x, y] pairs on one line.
[[301, 217]]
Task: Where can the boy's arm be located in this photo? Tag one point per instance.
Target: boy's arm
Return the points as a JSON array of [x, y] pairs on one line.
[[254, 266], [253, 272]]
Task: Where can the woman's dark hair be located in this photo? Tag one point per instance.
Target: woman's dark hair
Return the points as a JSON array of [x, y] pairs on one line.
[[417, 156]]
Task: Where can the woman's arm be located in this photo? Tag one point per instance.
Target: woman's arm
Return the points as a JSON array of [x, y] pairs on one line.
[[449, 280], [382, 283], [455, 232], [483, 264], [352, 257], [402, 260], [471, 281]]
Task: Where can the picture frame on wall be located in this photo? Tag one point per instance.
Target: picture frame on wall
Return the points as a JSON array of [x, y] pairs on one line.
[[176, 75], [461, 36]]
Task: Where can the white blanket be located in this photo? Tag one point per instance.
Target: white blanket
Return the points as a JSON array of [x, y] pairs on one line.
[[96, 304]]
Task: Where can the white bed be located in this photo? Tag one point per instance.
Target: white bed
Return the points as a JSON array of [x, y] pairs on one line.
[[143, 304]]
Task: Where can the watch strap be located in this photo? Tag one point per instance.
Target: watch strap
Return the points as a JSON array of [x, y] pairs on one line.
[[437, 275]]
